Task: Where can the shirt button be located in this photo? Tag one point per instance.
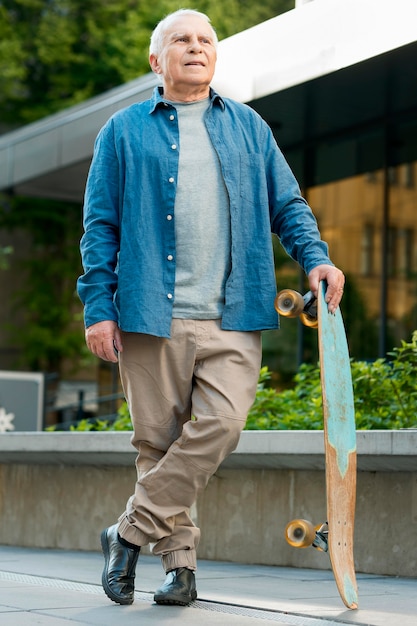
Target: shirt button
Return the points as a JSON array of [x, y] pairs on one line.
[[171, 180], [172, 117], [174, 147], [169, 296], [169, 218], [170, 257]]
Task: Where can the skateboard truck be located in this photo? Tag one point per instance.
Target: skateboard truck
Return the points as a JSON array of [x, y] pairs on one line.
[[290, 303], [320, 542]]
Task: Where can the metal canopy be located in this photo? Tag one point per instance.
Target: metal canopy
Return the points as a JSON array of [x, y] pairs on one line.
[[363, 107], [361, 96], [328, 69]]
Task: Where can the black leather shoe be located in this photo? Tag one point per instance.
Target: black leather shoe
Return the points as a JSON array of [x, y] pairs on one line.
[[178, 588], [118, 577]]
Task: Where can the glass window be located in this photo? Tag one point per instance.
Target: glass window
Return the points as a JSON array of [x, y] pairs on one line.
[[370, 224]]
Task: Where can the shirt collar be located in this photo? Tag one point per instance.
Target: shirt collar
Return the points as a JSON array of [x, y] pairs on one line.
[[157, 100]]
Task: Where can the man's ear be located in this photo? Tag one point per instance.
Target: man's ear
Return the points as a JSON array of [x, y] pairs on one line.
[[153, 62]]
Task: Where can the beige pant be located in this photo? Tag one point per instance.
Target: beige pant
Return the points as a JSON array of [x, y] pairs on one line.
[[188, 398]]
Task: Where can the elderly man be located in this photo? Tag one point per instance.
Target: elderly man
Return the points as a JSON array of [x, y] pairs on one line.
[[183, 193]]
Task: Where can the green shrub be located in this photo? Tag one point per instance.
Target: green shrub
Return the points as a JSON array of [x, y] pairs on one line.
[[386, 390], [385, 393], [292, 409]]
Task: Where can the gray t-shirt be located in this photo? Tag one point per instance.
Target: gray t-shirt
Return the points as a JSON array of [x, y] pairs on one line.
[[202, 221]]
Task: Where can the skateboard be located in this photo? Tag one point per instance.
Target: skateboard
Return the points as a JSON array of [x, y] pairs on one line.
[[335, 536]]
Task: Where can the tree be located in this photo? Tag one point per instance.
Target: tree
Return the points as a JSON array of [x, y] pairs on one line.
[[5, 251], [44, 307], [56, 53]]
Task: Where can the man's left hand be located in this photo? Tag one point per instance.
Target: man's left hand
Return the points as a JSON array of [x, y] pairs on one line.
[[335, 282]]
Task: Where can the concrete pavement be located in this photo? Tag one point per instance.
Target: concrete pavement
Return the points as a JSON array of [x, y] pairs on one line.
[[56, 587]]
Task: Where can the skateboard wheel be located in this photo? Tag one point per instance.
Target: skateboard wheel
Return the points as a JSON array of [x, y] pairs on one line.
[[289, 303], [308, 320], [300, 533]]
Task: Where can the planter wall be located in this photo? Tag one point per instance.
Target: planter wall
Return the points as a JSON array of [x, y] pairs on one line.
[[58, 490]]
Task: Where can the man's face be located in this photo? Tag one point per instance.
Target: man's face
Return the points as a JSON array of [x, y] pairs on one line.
[[187, 60]]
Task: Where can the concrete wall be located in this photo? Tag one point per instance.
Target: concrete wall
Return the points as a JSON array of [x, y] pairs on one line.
[[59, 490]]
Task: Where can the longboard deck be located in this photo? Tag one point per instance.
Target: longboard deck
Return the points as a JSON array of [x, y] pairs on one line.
[[340, 447]]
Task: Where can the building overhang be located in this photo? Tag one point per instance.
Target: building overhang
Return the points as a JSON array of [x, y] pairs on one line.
[[318, 70]]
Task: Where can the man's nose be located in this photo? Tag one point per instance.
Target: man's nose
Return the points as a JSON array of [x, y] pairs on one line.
[[195, 45]]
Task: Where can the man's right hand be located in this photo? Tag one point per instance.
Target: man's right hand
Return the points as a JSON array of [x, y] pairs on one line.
[[104, 340]]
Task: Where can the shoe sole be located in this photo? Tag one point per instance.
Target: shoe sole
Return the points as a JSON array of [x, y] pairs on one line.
[[107, 590], [175, 600]]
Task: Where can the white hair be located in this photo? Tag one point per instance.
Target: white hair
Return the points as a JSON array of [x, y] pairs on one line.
[[157, 37]]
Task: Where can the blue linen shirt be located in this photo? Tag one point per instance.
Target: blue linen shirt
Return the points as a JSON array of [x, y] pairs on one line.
[[128, 246]]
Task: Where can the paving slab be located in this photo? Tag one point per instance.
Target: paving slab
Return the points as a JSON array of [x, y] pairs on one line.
[[56, 587]]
